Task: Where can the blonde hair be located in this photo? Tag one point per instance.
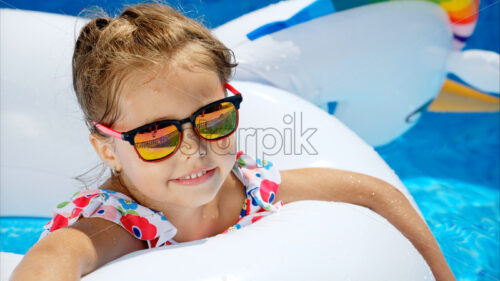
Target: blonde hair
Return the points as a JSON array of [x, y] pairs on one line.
[[108, 49]]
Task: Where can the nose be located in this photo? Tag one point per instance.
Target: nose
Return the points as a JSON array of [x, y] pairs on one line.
[[192, 145]]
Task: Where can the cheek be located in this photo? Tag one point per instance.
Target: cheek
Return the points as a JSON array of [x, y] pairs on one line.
[[144, 178], [135, 168], [126, 154], [224, 147], [225, 153]]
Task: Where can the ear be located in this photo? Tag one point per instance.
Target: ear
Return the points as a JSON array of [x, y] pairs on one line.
[[105, 150]]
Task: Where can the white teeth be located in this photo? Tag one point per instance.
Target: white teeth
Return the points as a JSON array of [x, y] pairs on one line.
[[192, 176]]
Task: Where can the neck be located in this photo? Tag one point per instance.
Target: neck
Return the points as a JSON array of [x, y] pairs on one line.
[[209, 219], [199, 222]]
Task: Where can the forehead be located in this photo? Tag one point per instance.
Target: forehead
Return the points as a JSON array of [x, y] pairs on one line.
[[166, 92]]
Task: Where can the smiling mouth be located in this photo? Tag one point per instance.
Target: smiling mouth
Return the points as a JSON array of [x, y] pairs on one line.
[[196, 178]]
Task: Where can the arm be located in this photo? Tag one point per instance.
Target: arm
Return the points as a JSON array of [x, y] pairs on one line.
[[342, 186], [72, 252]]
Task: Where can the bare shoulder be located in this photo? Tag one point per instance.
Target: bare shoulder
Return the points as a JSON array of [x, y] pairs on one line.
[[109, 240], [95, 241]]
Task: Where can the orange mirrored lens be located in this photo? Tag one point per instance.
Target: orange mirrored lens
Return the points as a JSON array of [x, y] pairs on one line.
[[157, 143], [217, 121]]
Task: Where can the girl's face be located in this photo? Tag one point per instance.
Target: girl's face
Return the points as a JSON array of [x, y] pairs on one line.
[[171, 93]]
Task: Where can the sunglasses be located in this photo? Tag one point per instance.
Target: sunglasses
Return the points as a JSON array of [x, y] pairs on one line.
[[160, 140]]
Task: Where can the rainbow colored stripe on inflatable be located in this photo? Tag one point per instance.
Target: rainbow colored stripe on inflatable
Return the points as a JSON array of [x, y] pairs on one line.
[[463, 16]]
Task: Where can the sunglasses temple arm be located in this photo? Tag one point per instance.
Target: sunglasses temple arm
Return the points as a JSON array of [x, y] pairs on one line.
[[232, 89], [108, 131]]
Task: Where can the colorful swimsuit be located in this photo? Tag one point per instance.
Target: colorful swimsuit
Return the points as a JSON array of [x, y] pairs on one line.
[[260, 178]]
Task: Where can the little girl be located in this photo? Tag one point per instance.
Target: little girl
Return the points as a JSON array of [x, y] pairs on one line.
[[153, 86]]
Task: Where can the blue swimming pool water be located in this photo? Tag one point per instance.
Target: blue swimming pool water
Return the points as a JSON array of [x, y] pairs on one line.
[[464, 219], [450, 164], [18, 234]]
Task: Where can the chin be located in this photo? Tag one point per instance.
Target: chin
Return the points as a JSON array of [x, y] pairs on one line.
[[197, 196]]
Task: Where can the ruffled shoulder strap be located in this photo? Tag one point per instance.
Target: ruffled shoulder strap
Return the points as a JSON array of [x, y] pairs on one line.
[[142, 222], [261, 179]]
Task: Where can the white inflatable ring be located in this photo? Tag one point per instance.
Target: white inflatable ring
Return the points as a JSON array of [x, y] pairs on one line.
[[307, 240]]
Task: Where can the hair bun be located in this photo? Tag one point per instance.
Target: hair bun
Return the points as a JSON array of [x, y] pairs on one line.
[[129, 14], [101, 23]]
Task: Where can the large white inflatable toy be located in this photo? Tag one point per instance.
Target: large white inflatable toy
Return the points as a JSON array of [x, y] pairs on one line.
[[377, 79], [376, 67]]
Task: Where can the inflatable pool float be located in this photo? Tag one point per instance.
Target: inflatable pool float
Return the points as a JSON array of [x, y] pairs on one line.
[[387, 60], [41, 128], [322, 240]]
